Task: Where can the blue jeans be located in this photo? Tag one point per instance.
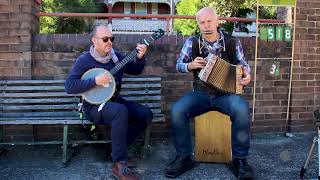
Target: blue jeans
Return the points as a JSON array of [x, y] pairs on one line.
[[196, 103], [127, 119]]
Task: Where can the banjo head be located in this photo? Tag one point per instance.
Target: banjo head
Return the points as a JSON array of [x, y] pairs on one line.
[[98, 94]]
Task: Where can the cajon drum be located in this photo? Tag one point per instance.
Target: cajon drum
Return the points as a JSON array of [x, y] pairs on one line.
[[213, 137]]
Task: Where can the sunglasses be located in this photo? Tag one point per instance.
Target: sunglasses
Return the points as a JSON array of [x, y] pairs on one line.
[[106, 39]]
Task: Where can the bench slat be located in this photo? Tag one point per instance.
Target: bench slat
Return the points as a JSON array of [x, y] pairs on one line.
[[40, 114], [141, 79], [41, 101], [47, 94], [32, 88], [143, 98], [41, 121], [130, 92], [42, 107], [40, 82], [139, 86]]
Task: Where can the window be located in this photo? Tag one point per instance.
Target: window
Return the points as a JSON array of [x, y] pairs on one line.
[[141, 8], [154, 8], [127, 8]]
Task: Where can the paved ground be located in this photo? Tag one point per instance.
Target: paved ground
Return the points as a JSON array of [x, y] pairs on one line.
[[273, 156]]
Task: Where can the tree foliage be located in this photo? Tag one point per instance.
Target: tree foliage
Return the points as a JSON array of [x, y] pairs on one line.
[[67, 24], [226, 8], [187, 26]]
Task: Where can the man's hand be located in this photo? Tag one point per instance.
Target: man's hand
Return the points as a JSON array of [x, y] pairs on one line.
[[197, 63], [142, 48], [246, 78], [103, 79]]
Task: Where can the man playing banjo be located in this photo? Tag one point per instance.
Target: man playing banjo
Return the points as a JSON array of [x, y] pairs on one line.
[[127, 119]]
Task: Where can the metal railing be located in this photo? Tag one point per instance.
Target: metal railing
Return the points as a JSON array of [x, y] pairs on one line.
[[166, 18]]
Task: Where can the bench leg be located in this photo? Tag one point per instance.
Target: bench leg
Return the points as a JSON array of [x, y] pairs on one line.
[[65, 144], [146, 141], [2, 151], [1, 133]]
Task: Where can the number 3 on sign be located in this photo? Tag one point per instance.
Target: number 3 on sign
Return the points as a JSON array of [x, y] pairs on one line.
[[275, 68]]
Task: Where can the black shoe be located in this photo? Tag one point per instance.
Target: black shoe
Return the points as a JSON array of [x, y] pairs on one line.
[[241, 169], [179, 165]]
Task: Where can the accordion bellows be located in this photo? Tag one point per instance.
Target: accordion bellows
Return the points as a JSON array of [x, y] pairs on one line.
[[222, 75]]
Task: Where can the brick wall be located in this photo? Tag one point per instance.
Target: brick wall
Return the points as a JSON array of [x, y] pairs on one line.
[[17, 25], [306, 69], [26, 56]]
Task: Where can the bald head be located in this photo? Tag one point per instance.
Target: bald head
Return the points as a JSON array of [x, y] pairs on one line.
[[207, 11], [207, 20]]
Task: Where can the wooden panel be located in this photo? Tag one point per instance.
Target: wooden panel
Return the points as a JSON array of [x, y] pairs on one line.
[[213, 137]]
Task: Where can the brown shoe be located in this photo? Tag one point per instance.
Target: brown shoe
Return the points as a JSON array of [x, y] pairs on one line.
[[121, 171]]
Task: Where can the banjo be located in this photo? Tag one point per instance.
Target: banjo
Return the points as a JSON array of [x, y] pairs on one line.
[[101, 94]]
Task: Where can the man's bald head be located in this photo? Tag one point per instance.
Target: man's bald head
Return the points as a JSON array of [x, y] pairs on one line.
[[207, 11], [207, 20]]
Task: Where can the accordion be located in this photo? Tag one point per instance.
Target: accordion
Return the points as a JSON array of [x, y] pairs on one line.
[[222, 75]]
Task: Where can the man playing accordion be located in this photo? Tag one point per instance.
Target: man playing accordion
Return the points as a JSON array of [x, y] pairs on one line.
[[206, 98]]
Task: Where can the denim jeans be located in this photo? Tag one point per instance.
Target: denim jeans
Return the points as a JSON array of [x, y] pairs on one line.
[[196, 103], [127, 119]]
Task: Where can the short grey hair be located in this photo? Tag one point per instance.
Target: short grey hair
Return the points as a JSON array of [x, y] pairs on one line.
[[97, 25]]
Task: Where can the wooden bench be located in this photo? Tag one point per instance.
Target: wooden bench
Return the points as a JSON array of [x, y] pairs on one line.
[[213, 137], [45, 102]]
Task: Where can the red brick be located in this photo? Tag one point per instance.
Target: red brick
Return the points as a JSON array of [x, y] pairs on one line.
[[307, 77], [3, 33], [302, 17], [314, 30], [9, 40], [4, 16], [4, 48], [306, 24], [302, 102], [26, 8], [9, 25], [21, 2], [4, 2], [9, 8]]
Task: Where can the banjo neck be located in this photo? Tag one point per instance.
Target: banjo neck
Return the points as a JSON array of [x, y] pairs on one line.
[[130, 57], [133, 54]]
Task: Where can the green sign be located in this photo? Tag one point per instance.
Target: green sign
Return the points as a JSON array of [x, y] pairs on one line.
[[275, 68], [279, 33], [287, 33], [263, 33], [277, 2], [271, 34]]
